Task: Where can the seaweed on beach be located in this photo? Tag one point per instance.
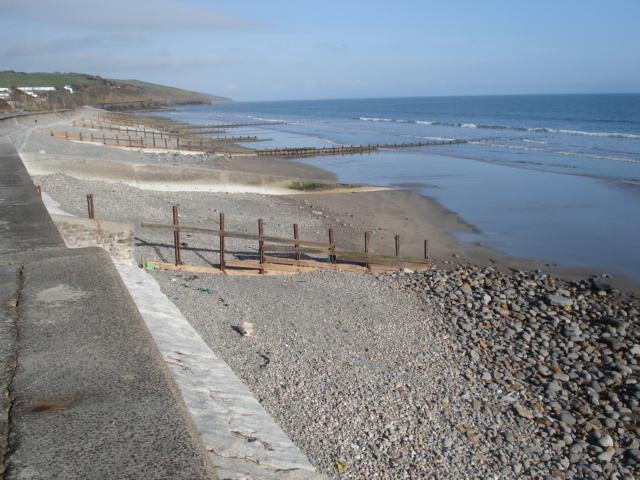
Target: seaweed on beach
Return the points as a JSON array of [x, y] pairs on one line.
[[315, 186]]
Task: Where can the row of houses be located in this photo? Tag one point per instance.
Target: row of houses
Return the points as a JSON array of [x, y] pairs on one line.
[[5, 93]]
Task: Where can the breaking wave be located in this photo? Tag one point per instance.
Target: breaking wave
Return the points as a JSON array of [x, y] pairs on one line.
[[503, 127]]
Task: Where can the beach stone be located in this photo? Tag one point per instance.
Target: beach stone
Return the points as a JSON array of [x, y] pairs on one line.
[[615, 343], [563, 377], [554, 386], [559, 301], [568, 419], [617, 323], [605, 441], [633, 454]]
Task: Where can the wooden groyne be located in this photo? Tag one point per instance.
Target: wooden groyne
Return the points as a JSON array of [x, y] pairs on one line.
[[167, 133], [287, 255], [237, 125], [127, 130], [210, 144], [346, 150], [167, 141]]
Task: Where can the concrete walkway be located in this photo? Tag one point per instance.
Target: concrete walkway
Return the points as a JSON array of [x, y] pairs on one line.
[[84, 391]]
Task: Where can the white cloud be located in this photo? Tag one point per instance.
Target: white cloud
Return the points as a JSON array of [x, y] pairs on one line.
[[124, 15]]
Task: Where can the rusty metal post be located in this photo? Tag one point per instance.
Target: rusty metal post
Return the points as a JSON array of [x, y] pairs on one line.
[[92, 214], [297, 237], [39, 190], [176, 237], [367, 241], [222, 242], [333, 245], [261, 242], [426, 249], [397, 245]]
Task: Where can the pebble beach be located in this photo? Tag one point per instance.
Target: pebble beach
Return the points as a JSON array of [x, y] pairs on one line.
[[464, 370]]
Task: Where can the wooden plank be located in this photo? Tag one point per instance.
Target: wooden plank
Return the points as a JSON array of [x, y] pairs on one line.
[[185, 268], [269, 269], [359, 257], [311, 263], [245, 236], [379, 259], [292, 250], [269, 266]]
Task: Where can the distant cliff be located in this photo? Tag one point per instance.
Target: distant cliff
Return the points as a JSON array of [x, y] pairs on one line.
[[54, 91]]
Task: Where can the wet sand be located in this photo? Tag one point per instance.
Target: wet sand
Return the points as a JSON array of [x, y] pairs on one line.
[[415, 218]]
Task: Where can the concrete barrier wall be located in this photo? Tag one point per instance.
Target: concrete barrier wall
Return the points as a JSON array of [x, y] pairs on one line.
[[116, 238]]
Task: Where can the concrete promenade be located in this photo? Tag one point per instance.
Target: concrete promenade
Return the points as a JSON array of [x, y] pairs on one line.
[[85, 390]]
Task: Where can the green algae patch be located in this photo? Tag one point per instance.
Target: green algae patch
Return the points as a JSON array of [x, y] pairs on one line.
[[319, 186]]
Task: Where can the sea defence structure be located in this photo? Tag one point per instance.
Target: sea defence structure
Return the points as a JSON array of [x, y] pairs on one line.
[[85, 390]]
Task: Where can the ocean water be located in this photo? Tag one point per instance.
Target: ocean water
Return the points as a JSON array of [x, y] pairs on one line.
[[552, 177]]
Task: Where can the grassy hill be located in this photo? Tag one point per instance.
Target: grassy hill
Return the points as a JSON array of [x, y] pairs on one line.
[[92, 90], [174, 96]]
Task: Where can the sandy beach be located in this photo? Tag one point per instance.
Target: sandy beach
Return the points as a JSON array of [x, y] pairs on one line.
[[471, 369]]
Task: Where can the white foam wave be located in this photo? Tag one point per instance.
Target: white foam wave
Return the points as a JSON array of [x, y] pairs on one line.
[[596, 134], [569, 154], [374, 119], [264, 119]]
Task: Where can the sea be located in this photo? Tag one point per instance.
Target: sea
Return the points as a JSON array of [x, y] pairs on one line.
[[549, 177]]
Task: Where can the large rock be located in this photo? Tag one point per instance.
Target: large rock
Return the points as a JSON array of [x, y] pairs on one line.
[[559, 301]]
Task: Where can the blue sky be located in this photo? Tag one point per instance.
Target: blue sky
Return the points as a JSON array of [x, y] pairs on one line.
[[286, 50]]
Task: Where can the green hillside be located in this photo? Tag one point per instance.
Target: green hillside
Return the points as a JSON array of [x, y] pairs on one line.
[[82, 89], [174, 96]]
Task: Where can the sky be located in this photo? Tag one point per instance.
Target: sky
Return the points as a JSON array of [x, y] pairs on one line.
[[252, 50]]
